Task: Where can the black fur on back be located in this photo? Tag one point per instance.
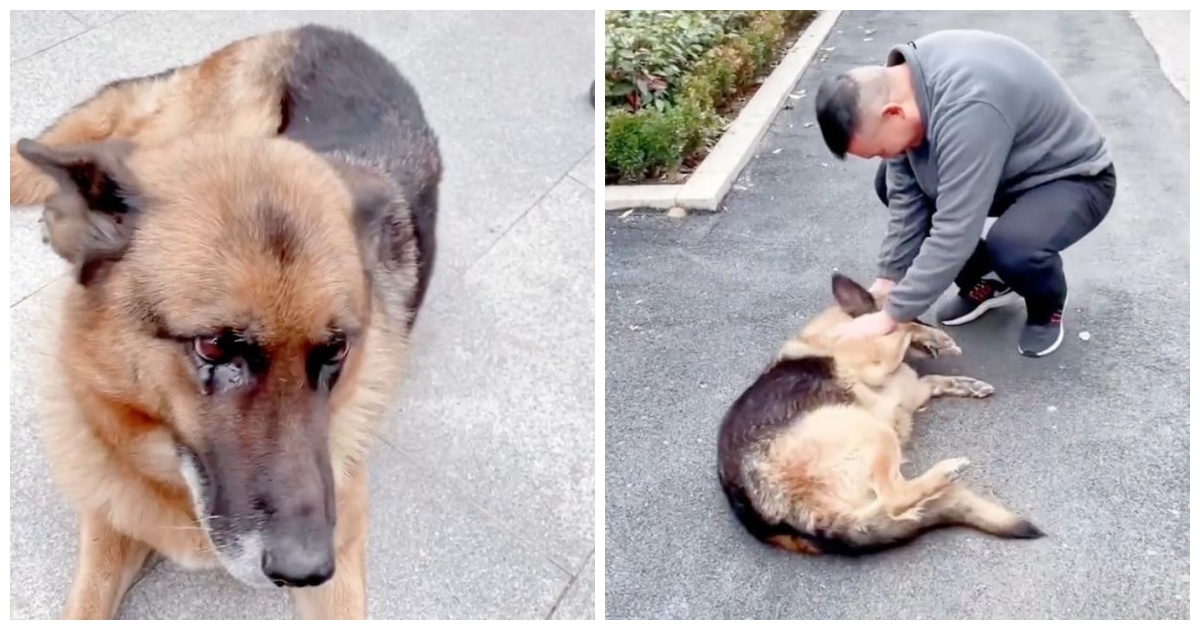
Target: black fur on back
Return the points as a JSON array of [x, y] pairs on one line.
[[345, 99], [789, 388]]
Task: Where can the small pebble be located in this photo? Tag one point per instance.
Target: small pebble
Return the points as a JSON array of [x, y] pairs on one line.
[[677, 213], [1085, 335]]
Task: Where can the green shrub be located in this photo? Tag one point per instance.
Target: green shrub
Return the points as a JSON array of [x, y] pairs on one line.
[[645, 143], [647, 52], [669, 76]]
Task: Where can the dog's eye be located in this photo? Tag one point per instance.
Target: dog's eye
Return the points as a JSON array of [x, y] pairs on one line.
[[336, 350], [211, 349]]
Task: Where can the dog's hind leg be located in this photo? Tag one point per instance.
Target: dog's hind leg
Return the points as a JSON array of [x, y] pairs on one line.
[[960, 506], [957, 386], [108, 563], [900, 498]]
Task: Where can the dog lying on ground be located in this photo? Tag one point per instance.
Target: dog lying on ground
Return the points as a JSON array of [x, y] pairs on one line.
[[251, 239], [810, 454]]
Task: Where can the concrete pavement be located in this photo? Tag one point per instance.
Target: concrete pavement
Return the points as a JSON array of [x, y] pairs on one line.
[[483, 494], [1092, 442]]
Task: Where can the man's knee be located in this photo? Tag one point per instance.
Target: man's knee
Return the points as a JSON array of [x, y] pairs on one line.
[[1013, 253], [881, 182]]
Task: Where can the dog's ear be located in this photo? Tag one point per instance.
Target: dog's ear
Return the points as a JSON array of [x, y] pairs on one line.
[[89, 221], [853, 299], [377, 222]]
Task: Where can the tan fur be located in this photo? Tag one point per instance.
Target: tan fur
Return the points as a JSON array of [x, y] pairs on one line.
[[107, 393], [200, 145], [837, 468], [111, 452], [237, 90]]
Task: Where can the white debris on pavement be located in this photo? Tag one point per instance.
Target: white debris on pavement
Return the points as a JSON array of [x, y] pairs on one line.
[[1085, 335]]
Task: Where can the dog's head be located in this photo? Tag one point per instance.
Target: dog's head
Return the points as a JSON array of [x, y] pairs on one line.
[[222, 293], [853, 357]]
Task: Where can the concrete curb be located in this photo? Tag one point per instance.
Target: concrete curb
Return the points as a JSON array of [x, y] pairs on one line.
[[706, 188], [1169, 34]]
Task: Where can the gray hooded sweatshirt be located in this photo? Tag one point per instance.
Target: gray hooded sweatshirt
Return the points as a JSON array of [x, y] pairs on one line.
[[997, 118]]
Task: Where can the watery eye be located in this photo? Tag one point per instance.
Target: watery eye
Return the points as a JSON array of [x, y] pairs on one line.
[[211, 349], [336, 350]]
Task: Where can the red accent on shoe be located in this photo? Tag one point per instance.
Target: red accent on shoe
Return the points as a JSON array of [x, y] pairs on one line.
[[981, 292]]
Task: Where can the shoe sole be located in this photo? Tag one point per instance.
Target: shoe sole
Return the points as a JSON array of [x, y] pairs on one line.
[[1062, 330], [985, 306]]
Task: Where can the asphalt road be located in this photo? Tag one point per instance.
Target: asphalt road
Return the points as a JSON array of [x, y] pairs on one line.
[[483, 491], [1092, 441]]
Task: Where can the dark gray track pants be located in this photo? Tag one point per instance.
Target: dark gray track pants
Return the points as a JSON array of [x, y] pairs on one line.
[[1032, 227]]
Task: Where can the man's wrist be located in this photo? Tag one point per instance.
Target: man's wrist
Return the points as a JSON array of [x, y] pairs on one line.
[[890, 274], [889, 312]]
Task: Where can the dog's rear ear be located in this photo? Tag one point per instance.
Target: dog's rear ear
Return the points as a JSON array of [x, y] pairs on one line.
[[853, 299], [89, 221], [377, 221]]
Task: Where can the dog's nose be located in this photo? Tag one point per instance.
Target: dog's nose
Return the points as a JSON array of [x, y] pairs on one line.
[[293, 562]]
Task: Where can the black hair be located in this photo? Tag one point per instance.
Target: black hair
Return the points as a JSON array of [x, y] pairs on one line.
[[837, 112]]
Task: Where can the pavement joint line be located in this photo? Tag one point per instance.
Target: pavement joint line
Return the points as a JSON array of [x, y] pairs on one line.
[[86, 29], [566, 175], [571, 172], [570, 583], [708, 185], [56, 278], [72, 15]]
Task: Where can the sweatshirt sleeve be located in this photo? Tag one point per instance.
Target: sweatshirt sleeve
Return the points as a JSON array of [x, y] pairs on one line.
[[972, 147], [908, 222]]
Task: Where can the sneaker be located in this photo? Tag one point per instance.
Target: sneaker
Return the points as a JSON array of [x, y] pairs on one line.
[[968, 305], [1043, 335]]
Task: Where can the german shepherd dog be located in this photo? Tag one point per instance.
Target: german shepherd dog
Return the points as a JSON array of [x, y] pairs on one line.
[[810, 454], [251, 239]]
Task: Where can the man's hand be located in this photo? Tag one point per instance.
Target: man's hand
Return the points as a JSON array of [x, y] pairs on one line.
[[881, 288], [866, 326]]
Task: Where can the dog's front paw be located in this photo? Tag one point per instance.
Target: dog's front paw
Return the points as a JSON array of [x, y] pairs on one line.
[[937, 343], [954, 468], [973, 387]]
